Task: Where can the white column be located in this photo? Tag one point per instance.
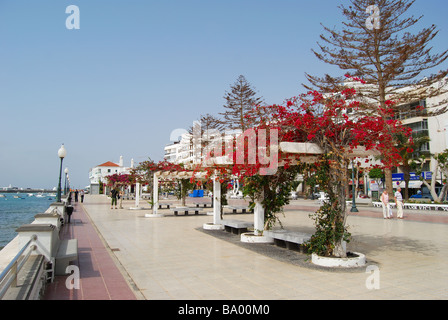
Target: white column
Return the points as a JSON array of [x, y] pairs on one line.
[[258, 216], [216, 201], [155, 196], [137, 194]]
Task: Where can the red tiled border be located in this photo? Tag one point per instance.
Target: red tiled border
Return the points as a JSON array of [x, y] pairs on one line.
[[100, 278]]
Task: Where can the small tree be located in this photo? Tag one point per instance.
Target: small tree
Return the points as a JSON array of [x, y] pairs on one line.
[[239, 101]]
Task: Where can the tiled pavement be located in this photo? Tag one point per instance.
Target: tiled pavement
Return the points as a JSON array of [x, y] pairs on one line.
[[100, 278], [170, 258]]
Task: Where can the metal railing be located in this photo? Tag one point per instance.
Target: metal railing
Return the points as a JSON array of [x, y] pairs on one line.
[[8, 277]]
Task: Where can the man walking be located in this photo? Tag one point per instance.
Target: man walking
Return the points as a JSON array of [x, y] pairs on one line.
[[399, 202]]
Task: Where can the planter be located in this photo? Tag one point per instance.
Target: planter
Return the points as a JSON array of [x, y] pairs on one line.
[[152, 215], [250, 237], [356, 260], [212, 226]]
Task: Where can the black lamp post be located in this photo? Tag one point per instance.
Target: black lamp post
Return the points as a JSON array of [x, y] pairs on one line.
[[353, 209], [61, 154]]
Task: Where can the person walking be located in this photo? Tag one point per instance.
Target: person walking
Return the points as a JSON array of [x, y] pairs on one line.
[[399, 202], [82, 195], [387, 212], [114, 195], [76, 195]]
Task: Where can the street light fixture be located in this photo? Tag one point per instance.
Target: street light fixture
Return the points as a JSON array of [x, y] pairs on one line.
[[61, 154]]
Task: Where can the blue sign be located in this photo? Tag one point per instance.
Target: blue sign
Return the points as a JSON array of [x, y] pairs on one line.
[[413, 177]]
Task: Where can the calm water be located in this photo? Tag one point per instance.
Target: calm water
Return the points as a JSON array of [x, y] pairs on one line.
[[16, 212]]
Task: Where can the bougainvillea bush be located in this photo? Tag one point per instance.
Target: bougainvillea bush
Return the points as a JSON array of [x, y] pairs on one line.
[[339, 125]]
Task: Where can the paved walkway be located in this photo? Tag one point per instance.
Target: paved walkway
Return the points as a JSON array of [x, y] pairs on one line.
[[172, 258], [100, 277]]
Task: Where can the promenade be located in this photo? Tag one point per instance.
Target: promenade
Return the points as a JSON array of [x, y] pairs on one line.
[[124, 255]]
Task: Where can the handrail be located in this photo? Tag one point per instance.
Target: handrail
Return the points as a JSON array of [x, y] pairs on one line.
[[15, 266]]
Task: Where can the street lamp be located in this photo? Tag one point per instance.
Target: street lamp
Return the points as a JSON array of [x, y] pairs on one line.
[[61, 154], [65, 181]]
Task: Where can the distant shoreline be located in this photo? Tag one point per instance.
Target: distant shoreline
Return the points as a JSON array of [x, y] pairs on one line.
[[29, 191]]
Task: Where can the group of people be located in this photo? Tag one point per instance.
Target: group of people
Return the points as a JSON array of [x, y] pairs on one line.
[[387, 210], [79, 192]]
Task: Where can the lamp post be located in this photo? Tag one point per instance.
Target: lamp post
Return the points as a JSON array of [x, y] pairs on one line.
[[65, 181], [61, 154], [353, 209]]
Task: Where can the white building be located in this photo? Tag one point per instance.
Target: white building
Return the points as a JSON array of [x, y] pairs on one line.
[[184, 150], [100, 172]]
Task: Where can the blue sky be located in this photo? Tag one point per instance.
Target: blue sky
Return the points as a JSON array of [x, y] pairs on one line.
[[137, 70]]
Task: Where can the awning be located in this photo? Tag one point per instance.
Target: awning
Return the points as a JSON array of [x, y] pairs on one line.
[[412, 184]]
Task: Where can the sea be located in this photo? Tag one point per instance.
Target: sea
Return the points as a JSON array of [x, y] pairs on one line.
[[17, 209]]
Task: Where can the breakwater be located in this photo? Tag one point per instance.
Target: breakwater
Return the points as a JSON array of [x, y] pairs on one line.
[[29, 191]]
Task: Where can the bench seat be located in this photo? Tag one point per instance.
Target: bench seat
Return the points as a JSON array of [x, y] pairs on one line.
[[67, 252], [290, 239], [236, 226], [186, 210], [235, 209], [165, 204]]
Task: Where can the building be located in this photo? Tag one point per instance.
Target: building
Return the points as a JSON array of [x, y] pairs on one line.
[[190, 150], [100, 172]]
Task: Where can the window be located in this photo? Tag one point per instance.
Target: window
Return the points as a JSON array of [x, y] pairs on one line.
[[411, 110]]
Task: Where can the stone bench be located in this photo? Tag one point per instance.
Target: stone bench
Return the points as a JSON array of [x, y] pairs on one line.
[[292, 240], [243, 209], [236, 226], [67, 252], [186, 210], [165, 204], [360, 201], [203, 204]]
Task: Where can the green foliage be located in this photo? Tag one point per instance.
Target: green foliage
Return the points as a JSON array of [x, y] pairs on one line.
[[184, 186], [275, 190], [330, 229], [376, 173], [330, 218]]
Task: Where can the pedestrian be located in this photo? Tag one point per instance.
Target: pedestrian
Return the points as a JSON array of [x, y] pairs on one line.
[[114, 195], [399, 202], [120, 196], [76, 195], [82, 195], [387, 212]]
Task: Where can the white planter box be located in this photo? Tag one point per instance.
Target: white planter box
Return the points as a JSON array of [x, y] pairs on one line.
[[352, 262]]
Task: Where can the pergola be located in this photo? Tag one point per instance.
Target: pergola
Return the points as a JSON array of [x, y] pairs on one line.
[[308, 152]]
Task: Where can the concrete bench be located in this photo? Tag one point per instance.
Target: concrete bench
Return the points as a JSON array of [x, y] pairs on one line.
[[186, 210], [360, 201], [165, 204], [243, 209], [67, 251], [288, 239], [203, 204], [236, 226]]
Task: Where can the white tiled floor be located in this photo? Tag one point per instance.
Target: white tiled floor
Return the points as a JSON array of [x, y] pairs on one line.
[[168, 258]]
